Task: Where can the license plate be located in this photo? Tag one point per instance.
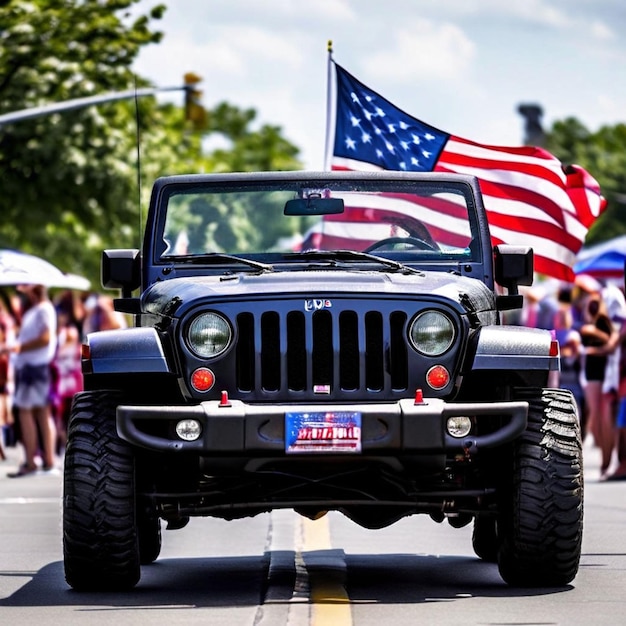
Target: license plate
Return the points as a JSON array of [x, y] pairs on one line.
[[334, 431]]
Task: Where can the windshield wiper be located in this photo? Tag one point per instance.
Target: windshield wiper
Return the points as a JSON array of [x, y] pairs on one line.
[[219, 257], [346, 255]]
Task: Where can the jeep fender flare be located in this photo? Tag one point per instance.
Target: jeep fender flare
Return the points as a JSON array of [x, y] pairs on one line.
[[126, 351], [515, 348]]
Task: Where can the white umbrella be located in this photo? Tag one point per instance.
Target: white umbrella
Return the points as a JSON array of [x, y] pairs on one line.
[[19, 268]]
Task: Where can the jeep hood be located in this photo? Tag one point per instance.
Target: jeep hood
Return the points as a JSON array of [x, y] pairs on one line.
[[179, 293]]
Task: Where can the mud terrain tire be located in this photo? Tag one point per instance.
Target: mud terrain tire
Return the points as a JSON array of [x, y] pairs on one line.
[[100, 546], [541, 524]]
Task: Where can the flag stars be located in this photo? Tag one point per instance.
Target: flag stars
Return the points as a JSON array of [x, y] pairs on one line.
[[372, 130]]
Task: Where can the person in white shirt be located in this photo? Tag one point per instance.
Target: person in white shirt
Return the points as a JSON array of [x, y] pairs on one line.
[[32, 354]]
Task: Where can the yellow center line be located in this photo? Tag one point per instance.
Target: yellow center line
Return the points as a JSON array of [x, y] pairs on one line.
[[330, 601]]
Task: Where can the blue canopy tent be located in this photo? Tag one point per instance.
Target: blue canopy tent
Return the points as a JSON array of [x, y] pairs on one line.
[[604, 260]]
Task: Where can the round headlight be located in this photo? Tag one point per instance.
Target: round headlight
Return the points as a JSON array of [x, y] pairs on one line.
[[209, 335], [431, 333]]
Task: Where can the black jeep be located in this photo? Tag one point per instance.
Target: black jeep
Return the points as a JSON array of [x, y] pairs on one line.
[[321, 341]]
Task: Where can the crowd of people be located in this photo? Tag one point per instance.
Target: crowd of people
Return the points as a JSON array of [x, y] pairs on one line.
[[40, 367], [40, 343], [588, 319]]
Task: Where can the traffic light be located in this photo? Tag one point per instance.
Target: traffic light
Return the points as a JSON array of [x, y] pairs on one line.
[[194, 111]]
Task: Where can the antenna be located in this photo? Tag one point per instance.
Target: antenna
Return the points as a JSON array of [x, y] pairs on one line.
[[138, 140]]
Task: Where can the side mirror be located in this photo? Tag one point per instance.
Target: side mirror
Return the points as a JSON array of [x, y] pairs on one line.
[[121, 269], [513, 266]]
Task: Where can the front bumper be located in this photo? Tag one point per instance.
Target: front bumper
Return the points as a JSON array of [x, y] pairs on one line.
[[237, 428]]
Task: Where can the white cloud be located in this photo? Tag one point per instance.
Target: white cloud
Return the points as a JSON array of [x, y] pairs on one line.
[[251, 46], [534, 11], [540, 12], [461, 66], [200, 17], [601, 31], [423, 49]]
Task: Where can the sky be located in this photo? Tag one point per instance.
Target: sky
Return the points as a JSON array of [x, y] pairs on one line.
[[459, 65]]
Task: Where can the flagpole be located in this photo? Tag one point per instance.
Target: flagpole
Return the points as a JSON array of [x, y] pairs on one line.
[[327, 158]]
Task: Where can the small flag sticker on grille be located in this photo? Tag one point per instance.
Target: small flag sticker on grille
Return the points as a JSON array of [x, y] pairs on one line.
[[321, 388]]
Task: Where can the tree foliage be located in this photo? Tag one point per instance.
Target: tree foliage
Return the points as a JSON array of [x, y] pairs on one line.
[[73, 182], [602, 154], [67, 178]]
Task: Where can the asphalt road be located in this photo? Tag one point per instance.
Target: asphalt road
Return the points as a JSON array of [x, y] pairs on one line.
[[280, 569]]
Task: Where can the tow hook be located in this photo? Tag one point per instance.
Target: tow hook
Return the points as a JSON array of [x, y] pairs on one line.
[[469, 448]]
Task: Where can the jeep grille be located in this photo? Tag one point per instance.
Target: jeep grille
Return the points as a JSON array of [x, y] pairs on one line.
[[327, 351]]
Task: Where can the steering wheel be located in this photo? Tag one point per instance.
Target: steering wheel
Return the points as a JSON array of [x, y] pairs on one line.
[[415, 242]]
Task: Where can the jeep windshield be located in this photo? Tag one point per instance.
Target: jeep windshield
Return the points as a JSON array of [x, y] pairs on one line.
[[228, 220]]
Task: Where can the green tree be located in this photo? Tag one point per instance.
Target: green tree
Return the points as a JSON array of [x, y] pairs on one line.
[[74, 183], [67, 179], [602, 154]]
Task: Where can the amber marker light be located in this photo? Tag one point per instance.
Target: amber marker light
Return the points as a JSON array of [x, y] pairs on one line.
[[85, 359], [202, 379], [437, 377]]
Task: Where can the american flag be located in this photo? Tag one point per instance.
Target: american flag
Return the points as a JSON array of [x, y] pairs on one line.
[[532, 199]]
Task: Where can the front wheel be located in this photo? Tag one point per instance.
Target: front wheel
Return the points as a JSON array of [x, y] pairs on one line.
[[100, 545], [541, 522]]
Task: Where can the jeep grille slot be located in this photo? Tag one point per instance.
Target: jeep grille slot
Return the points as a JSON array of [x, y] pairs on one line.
[[399, 356], [374, 357], [296, 356], [246, 351], [321, 352], [322, 348], [349, 356], [270, 351]]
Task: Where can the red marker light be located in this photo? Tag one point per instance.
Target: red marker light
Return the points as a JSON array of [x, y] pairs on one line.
[[202, 379], [554, 348], [437, 377], [419, 397]]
